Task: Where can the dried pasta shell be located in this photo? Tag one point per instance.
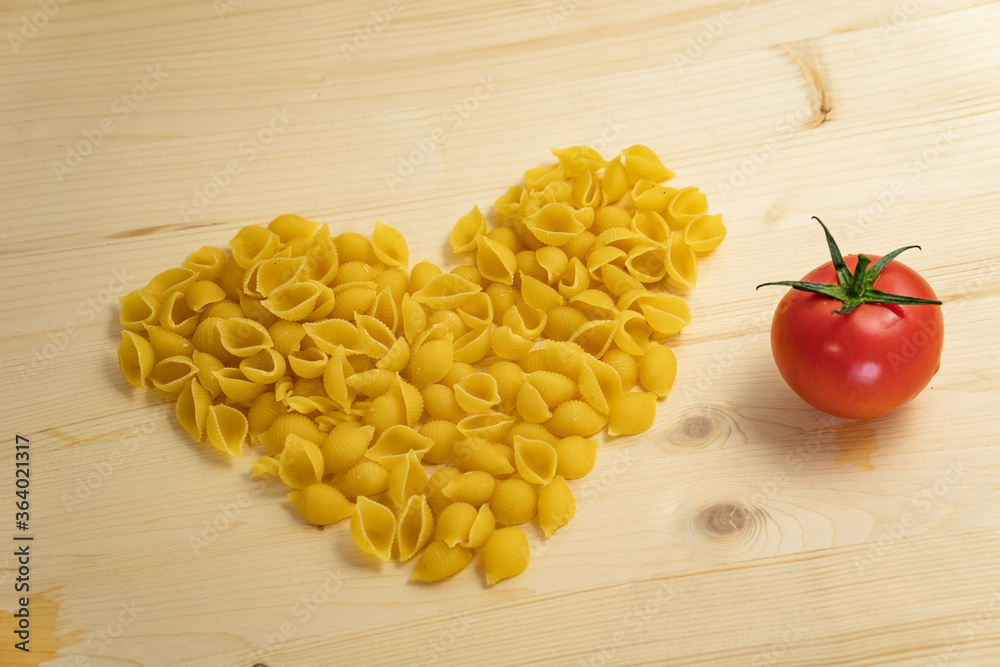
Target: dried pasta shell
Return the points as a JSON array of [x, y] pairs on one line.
[[527, 263], [253, 244], [208, 262], [565, 356], [308, 363], [507, 237], [704, 233], [294, 301], [373, 528], [353, 247], [430, 362], [406, 478], [444, 434], [595, 304], [652, 227], [396, 443], [167, 282], [535, 460], [192, 408], [686, 205], [435, 485], [236, 386], [580, 246], [530, 404], [642, 163], [507, 344], [514, 502], [502, 297], [136, 358], [138, 309], [397, 358], [413, 316], [275, 436], [586, 191], [575, 279], [208, 339], [618, 281], [575, 456], [265, 466], [539, 177], [562, 321], [474, 487], [611, 216], [495, 261], [445, 291], [477, 311], [537, 294], [263, 412], [171, 374], [531, 431], [631, 413], [525, 321], [625, 365], [682, 265], [439, 561], [556, 506], [357, 272], [375, 336], [506, 554], [468, 228], [321, 504], [454, 523], [203, 294], [477, 392], [579, 160], [254, 309], [575, 418], [440, 403], [665, 313], [300, 462], [329, 334], [290, 226], [509, 377], [553, 260], [345, 446], [633, 333], [176, 316], [487, 425], [647, 264], [366, 478], [616, 181], [207, 365], [416, 526], [554, 224], [390, 246], [226, 427], [658, 369], [602, 257], [482, 528], [386, 308], [472, 346], [599, 382], [480, 454], [265, 367], [353, 299], [372, 383], [242, 337], [225, 309], [648, 196], [595, 336]]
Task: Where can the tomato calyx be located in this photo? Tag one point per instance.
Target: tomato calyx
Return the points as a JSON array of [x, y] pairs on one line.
[[854, 289]]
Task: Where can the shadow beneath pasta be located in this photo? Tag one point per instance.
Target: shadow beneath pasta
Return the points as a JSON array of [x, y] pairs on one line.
[[349, 553]]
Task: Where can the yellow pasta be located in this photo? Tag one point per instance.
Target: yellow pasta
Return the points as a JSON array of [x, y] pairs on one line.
[[355, 372], [439, 561], [454, 523], [556, 506], [345, 446], [514, 502], [658, 369], [535, 460], [477, 392], [136, 358], [406, 478], [415, 527], [506, 554], [631, 412], [227, 428], [373, 527], [474, 487], [171, 374]]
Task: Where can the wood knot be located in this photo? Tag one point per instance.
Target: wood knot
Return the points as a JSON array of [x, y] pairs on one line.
[[723, 519], [698, 428]]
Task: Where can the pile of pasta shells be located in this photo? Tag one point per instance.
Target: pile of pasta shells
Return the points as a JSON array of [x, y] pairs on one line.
[[437, 411]]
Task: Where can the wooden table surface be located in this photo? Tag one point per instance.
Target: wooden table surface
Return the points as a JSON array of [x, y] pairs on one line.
[[743, 529]]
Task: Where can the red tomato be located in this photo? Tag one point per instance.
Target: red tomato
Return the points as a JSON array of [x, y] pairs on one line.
[[864, 363]]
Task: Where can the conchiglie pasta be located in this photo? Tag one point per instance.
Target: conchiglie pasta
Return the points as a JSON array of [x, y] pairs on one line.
[[321, 504], [556, 506], [439, 561], [658, 369], [136, 358], [632, 412], [373, 527], [514, 502], [415, 527], [575, 456], [506, 554]]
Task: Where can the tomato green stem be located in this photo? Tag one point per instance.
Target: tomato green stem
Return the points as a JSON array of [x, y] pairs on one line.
[[854, 289]]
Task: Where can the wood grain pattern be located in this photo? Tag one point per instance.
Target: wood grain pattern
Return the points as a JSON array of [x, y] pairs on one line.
[[743, 529]]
